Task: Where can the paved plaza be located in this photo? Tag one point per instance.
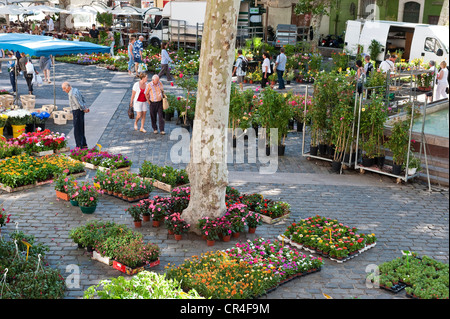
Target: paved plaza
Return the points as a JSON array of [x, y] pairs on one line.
[[403, 216]]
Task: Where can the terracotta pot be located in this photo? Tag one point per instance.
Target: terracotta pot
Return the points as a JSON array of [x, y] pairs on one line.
[[251, 230], [226, 238], [146, 218], [178, 236], [204, 237], [236, 235], [138, 224], [156, 223], [170, 231], [210, 242], [62, 195]]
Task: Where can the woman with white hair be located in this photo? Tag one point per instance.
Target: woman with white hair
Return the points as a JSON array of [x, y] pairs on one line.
[[139, 101]]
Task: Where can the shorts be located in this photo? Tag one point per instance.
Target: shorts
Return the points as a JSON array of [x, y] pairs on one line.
[[240, 79], [137, 59], [140, 106]]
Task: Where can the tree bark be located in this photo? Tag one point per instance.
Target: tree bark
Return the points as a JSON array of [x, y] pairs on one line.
[[64, 4], [207, 169], [443, 18]]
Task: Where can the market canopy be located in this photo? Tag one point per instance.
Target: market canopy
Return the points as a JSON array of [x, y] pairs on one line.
[[38, 45]]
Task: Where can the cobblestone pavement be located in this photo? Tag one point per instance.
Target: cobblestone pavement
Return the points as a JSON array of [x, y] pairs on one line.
[[403, 216]]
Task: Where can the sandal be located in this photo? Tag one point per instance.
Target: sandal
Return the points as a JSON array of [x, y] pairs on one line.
[[142, 130]]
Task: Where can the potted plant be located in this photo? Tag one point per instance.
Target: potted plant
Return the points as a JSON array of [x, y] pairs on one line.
[[4, 218], [176, 225], [290, 75], [63, 184], [189, 84], [136, 212], [224, 228], [414, 164], [87, 197], [159, 211], [398, 144], [275, 113], [253, 220], [18, 119], [3, 121]]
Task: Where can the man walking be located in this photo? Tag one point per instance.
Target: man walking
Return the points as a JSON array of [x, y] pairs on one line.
[[138, 47], [280, 66], [78, 106], [154, 96], [240, 68]]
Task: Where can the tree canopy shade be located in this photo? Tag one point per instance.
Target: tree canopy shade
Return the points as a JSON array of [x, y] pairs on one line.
[[38, 45]]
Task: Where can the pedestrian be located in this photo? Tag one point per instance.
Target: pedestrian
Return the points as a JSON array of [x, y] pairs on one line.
[[240, 68], [368, 66], [45, 63], [442, 82], [139, 101], [50, 24], [165, 60], [280, 66], [138, 47], [388, 65], [112, 41], [13, 71], [2, 55], [154, 95], [79, 108], [130, 55], [26, 66], [359, 76], [94, 33], [432, 69], [265, 69]]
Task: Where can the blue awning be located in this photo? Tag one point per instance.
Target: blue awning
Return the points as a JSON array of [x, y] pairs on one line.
[[38, 45]]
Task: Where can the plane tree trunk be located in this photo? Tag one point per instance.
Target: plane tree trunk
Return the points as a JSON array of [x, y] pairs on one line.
[[207, 169]]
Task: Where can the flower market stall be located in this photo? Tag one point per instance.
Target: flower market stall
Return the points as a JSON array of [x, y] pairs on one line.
[[37, 45]]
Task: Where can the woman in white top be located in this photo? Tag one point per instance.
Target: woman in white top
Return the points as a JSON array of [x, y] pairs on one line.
[[139, 101], [265, 69], [442, 83]]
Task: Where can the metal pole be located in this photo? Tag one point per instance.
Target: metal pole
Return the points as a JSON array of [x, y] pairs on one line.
[[423, 145], [54, 82], [304, 120]]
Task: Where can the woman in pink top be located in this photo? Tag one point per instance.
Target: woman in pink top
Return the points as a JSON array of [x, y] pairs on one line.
[[139, 101]]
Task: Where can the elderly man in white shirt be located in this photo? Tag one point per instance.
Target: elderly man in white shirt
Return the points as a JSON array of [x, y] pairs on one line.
[[388, 64]]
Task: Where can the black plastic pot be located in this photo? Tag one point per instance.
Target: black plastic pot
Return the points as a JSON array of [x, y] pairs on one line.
[[323, 149], [367, 162], [396, 169], [313, 150], [336, 166], [380, 161], [299, 126]]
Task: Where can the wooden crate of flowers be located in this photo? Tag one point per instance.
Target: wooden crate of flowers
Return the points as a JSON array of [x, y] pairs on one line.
[[23, 171], [166, 178]]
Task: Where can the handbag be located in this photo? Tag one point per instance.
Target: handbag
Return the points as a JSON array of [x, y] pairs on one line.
[[165, 102], [38, 80], [131, 112]]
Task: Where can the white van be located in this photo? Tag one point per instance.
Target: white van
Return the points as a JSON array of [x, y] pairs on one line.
[[426, 41]]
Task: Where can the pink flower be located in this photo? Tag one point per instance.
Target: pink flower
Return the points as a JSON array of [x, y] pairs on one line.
[[91, 199]]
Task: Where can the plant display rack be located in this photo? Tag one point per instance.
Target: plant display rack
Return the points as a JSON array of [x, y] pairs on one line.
[[351, 161], [411, 97]]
